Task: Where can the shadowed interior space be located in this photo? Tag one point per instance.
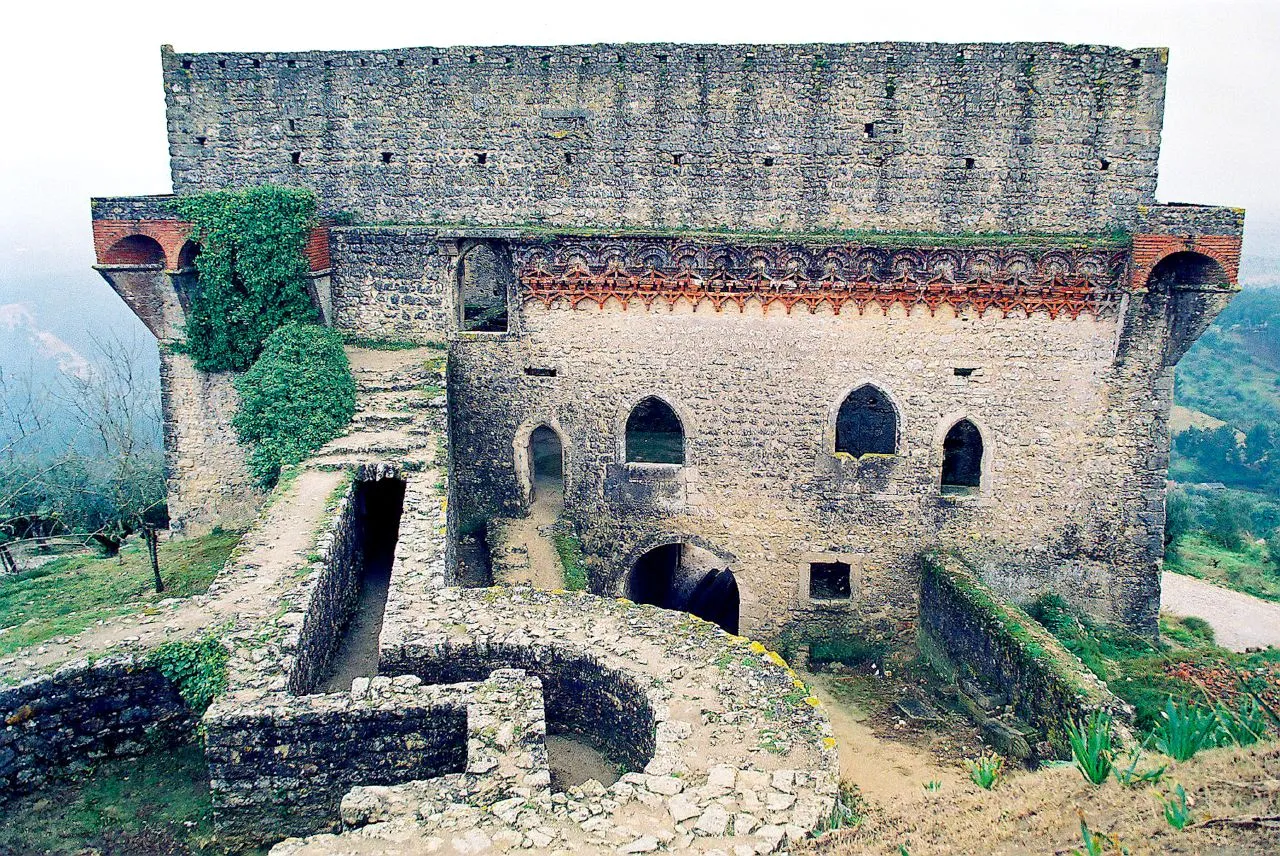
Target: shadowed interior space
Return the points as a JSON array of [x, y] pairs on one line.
[[654, 434], [687, 578], [546, 457], [962, 459], [379, 505]]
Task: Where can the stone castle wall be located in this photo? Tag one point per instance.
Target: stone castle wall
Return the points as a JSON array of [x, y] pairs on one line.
[[1066, 461], [969, 137]]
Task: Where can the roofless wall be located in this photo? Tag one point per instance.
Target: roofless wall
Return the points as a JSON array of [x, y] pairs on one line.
[[893, 136]]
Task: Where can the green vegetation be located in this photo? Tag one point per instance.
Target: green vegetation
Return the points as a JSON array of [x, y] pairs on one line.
[[1252, 568], [253, 271], [1178, 684], [67, 595], [1091, 746], [1176, 810], [197, 667], [1184, 730], [298, 396], [849, 811], [827, 645], [986, 771], [569, 548], [158, 803]]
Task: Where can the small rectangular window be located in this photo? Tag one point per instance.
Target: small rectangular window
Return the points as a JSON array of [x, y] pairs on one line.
[[965, 371], [296, 157], [829, 581], [531, 371]]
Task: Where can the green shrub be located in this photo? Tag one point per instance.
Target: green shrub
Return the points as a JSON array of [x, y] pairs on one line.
[[298, 396], [253, 271], [1244, 726], [1091, 746], [1176, 810], [1184, 730], [197, 667], [986, 771]]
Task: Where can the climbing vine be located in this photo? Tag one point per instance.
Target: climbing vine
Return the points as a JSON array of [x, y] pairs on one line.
[[197, 667], [296, 397], [252, 267]]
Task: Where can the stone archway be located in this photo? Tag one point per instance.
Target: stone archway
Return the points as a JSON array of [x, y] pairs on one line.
[[688, 578], [546, 465]]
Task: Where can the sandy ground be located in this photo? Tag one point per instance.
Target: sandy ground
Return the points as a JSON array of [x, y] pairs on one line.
[[1239, 620], [358, 655], [543, 569], [573, 761]]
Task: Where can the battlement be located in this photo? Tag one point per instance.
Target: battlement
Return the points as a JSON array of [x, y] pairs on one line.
[[891, 136]]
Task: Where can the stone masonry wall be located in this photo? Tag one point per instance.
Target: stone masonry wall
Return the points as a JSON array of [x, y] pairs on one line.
[[82, 714], [1068, 471], [968, 137], [205, 464], [391, 283]]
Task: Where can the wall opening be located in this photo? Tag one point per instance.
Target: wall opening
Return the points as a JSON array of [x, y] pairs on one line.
[[134, 250], [829, 581], [688, 578], [654, 434], [546, 465], [867, 424], [1187, 270], [962, 459], [378, 506], [475, 566], [483, 278]]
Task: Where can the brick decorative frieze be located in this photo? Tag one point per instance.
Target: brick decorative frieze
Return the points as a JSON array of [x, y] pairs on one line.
[[574, 273]]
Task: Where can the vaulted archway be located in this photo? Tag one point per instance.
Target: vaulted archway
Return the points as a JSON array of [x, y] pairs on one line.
[[688, 578]]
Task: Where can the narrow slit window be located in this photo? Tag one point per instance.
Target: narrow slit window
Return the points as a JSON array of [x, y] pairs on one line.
[[296, 157]]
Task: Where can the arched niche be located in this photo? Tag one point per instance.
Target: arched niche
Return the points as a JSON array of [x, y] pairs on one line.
[[654, 433], [866, 423]]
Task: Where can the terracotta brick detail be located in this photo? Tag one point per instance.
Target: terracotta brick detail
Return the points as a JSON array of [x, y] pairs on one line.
[[1148, 250], [171, 235]]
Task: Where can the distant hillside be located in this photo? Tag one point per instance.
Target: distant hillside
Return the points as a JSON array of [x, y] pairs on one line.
[[1232, 376]]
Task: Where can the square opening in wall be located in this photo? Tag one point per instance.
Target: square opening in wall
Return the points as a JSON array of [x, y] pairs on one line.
[[296, 157], [829, 581], [965, 371], [533, 371], [386, 157], [481, 158]]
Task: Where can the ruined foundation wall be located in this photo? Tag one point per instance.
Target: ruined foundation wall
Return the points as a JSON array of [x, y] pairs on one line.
[[1067, 462], [971, 137], [83, 714], [205, 464]]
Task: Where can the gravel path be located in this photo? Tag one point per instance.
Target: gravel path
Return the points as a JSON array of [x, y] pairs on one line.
[[1239, 620]]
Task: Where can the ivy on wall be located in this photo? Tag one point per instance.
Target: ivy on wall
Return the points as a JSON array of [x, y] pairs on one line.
[[253, 271], [296, 397]]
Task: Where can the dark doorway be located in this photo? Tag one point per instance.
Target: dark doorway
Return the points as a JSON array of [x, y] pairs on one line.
[[654, 434], [546, 458], [379, 505], [962, 458], [482, 289], [686, 578], [1187, 270], [867, 423]]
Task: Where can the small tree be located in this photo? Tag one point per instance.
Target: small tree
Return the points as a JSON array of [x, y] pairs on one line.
[[298, 396]]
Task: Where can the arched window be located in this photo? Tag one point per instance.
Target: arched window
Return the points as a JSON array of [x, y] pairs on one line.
[[1187, 270], [867, 423], [654, 434], [962, 458], [134, 250], [482, 290]]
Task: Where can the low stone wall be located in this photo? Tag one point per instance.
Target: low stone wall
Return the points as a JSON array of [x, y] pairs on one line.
[[116, 707], [969, 629], [581, 694], [280, 766], [332, 592]]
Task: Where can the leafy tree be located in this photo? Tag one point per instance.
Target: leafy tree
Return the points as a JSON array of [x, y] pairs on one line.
[[1229, 520], [253, 271], [1178, 519], [298, 396]]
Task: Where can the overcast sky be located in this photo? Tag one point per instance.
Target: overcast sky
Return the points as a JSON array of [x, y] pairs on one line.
[[83, 107]]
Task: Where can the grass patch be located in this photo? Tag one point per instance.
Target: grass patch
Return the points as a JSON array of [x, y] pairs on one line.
[[569, 548], [157, 803], [1250, 569], [67, 595], [1184, 666]]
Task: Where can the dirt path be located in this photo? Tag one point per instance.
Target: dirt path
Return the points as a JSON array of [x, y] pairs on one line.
[[1239, 620], [532, 533], [268, 553], [885, 771]]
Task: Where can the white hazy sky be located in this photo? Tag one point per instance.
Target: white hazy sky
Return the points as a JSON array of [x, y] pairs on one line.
[[83, 107]]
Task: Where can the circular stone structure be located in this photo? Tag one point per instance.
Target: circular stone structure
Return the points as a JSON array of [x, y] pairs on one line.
[[723, 746]]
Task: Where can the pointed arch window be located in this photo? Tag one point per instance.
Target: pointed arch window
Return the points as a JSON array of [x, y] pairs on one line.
[[867, 423], [654, 434], [962, 459]]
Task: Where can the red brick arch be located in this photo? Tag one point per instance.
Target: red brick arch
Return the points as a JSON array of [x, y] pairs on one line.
[[113, 240], [1150, 250]]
